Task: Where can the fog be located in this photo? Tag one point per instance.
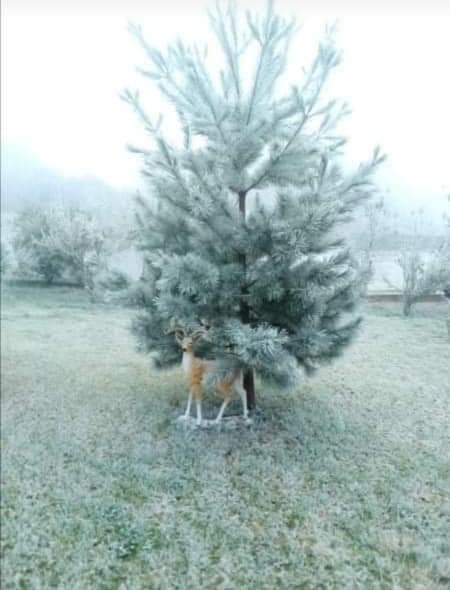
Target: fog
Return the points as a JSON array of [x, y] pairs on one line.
[[224, 392], [63, 70]]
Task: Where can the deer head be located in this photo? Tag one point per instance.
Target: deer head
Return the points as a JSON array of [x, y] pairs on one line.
[[186, 340]]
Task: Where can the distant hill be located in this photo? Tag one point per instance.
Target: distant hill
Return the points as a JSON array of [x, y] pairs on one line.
[[27, 181]]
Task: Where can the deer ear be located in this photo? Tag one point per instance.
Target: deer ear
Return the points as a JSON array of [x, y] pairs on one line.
[[179, 336]]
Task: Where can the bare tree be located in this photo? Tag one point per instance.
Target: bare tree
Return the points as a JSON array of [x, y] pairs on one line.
[[422, 273], [422, 277], [374, 214]]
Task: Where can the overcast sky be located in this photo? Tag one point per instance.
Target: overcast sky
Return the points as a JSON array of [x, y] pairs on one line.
[[64, 66]]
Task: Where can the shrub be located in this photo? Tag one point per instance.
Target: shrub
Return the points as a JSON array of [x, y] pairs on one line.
[[59, 243]]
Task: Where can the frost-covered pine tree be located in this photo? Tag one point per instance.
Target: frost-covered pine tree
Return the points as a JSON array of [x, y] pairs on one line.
[[242, 228]]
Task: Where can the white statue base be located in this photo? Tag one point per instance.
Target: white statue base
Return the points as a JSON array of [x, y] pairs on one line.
[[226, 423]]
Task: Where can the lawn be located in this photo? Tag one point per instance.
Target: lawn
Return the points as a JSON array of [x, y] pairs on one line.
[[342, 483]]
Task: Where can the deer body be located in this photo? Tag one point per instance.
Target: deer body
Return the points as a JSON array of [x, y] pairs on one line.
[[196, 370]]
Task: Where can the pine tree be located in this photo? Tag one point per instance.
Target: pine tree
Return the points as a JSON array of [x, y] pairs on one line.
[[243, 227]]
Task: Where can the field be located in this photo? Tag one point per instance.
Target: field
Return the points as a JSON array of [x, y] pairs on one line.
[[343, 483]]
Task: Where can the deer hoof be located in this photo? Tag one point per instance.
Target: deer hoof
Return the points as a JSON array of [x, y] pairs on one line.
[[248, 421], [182, 418]]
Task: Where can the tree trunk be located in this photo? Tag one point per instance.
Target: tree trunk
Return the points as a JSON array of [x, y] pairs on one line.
[[249, 377], [407, 306], [249, 386]]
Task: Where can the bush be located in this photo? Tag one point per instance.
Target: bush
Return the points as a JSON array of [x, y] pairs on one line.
[[59, 243], [5, 258], [114, 280]]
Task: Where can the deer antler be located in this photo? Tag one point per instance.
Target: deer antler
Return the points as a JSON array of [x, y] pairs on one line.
[[202, 331], [181, 332], [176, 329]]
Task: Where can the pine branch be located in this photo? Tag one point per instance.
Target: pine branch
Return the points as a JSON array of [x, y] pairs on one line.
[[231, 53], [330, 62], [273, 31], [200, 177], [256, 81]]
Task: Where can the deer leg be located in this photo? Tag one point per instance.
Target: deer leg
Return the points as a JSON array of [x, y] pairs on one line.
[[225, 403], [225, 389], [196, 392], [187, 413], [198, 403], [243, 395]]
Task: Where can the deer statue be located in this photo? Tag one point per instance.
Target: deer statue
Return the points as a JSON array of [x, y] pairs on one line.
[[196, 370]]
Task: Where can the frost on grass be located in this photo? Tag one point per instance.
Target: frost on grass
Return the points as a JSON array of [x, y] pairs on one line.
[[340, 484]]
